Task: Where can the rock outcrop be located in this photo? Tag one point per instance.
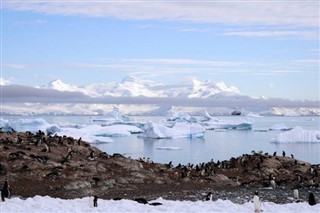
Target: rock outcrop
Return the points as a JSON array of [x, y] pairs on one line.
[[38, 164]]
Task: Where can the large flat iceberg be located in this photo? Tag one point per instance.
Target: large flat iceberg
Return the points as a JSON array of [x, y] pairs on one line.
[[100, 134], [179, 130], [227, 124], [298, 135]]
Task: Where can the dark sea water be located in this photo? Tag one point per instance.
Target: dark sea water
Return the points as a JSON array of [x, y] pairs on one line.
[[216, 145]]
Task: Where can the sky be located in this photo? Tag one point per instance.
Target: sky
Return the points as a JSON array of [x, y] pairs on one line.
[[264, 48]]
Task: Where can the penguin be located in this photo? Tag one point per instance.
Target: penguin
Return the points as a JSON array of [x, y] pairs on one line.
[[46, 148], [141, 200], [312, 200], [79, 141], [292, 156], [273, 184], [256, 202], [296, 194], [209, 196], [275, 154], [6, 190], [155, 204], [95, 201], [283, 153], [1, 197], [91, 156]]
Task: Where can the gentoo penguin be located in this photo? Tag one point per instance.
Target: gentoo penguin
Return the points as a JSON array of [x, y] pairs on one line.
[[273, 183], [6, 189], [256, 202], [275, 154], [141, 200], [283, 153], [296, 194], [1, 197], [209, 196], [95, 201], [312, 200], [91, 156]]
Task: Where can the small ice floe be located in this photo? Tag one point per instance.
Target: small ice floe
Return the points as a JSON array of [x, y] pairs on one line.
[[298, 135], [169, 148], [279, 127]]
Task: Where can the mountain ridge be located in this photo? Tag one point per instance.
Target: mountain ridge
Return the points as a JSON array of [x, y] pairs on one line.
[[131, 86]]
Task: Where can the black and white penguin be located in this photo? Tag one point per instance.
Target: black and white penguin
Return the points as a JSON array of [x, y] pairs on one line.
[[273, 183], [256, 202], [209, 196], [79, 141], [92, 155], [6, 190], [283, 153], [275, 154], [141, 200], [2, 199], [312, 200], [95, 201], [296, 194]]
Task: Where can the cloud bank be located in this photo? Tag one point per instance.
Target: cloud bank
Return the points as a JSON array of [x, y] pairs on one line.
[[13, 94], [299, 13]]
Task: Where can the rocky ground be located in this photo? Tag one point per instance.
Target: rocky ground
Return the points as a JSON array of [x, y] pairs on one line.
[[38, 164]]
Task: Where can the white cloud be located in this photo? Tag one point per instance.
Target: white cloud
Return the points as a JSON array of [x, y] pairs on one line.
[[4, 82], [278, 34], [301, 13], [14, 66]]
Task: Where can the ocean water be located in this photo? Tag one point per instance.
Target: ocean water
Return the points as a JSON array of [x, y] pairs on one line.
[[216, 145], [220, 144]]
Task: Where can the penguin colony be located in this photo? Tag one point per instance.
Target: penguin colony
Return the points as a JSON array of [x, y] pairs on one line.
[[23, 153]]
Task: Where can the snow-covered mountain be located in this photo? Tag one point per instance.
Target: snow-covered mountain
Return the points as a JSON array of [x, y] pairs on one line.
[[144, 97], [133, 87]]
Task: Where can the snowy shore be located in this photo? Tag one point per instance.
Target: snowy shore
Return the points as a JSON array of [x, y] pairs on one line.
[[47, 204]]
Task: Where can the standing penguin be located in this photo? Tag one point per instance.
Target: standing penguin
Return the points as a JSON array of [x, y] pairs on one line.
[[296, 194], [312, 200], [256, 202], [95, 201], [209, 196], [1, 197], [6, 190]]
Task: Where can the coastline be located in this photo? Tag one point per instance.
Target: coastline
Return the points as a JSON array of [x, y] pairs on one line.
[[63, 167]]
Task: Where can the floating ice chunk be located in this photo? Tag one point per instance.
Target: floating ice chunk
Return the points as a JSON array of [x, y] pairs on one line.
[[298, 135], [281, 127], [100, 134], [179, 130], [227, 124], [169, 148], [254, 115]]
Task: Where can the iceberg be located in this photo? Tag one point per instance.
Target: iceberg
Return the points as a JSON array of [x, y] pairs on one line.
[[23, 125], [186, 117], [100, 134], [227, 124], [115, 117], [298, 135], [179, 130]]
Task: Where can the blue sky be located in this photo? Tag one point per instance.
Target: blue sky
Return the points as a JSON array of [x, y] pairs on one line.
[[264, 48]]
